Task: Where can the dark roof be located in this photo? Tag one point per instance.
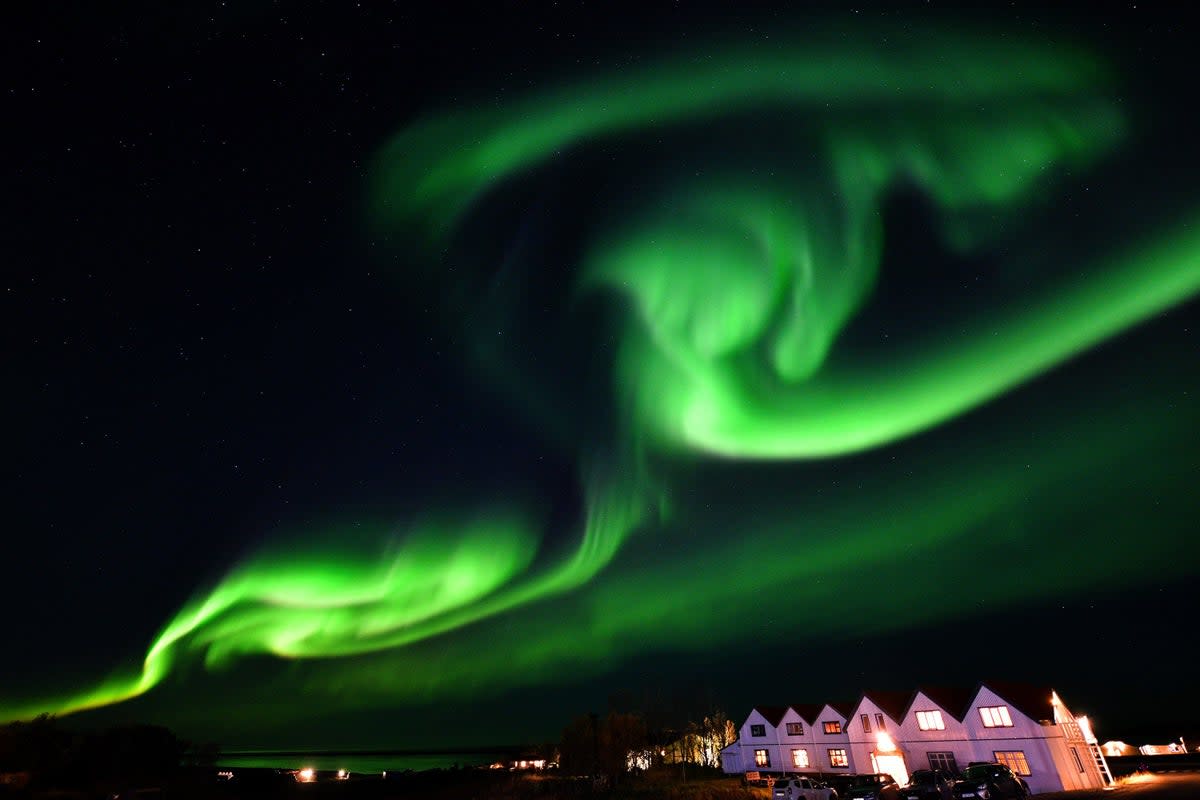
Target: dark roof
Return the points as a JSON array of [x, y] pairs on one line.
[[772, 714], [955, 700], [1031, 700], [845, 709], [808, 711], [894, 704]]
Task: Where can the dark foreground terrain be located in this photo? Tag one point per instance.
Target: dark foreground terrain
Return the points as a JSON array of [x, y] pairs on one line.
[[481, 784], [1182, 786]]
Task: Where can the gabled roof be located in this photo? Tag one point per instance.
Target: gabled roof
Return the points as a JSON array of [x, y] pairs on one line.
[[808, 711], [772, 714], [894, 704], [1032, 701], [954, 700]]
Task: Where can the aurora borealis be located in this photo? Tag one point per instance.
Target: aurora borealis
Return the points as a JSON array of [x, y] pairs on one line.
[[854, 331]]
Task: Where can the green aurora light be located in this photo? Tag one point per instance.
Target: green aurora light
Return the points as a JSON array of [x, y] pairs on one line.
[[734, 289]]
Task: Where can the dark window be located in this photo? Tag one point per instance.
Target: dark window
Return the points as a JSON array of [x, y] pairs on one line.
[[758, 730], [866, 721], [879, 722], [795, 728], [1078, 761], [832, 727], [944, 762], [837, 758]]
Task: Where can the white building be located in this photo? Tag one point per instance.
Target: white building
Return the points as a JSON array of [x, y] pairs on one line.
[[874, 731], [1027, 728], [760, 732]]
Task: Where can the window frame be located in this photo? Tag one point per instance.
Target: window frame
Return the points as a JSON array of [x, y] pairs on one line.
[[1078, 760], [946, 761], [1015, 760], [843, 756], [762, 757], [795, 729], [758, 731], [995, 717], [800, 754], [866, 722], [930, 719], [832, 727], [879, 722]]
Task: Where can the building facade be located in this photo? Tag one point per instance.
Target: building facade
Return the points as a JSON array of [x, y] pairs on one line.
[[1027, 728]]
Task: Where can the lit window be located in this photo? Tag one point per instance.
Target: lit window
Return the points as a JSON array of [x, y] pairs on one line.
[[931, 721], [795, 728], [1078, 760], [995, 717], [758, 730], [1013, 759], [866, 722], [832, 727], [800, 758], [837, 758], [879, 722], [762, 758], [944, 762]]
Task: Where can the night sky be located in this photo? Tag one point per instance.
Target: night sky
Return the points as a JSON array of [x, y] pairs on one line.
[[387, 377]]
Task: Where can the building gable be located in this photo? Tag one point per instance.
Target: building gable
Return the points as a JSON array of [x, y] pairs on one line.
[[953, 700], [926, 717], [1034, 702]]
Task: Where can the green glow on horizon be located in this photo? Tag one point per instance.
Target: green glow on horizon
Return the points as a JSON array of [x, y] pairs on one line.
[[342, 600], [733, 289], [700, 582]]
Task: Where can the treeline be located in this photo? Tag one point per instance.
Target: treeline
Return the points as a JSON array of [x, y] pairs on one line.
[[620, 745], [42, 753]]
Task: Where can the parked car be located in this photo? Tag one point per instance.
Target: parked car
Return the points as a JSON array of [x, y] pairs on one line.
[[990, 782], [840, 782], [801, 787], [878, 786], [929, 784]]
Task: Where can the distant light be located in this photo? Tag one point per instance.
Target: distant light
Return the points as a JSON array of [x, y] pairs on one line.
[[1140, 777], [343, 775], [306, 775]]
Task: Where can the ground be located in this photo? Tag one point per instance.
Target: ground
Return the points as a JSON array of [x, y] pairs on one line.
[[1179, 786]]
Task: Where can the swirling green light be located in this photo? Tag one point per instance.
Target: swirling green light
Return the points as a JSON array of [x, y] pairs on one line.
[[432, 171], [345, 599], [735, 289], [740, 285], [694, 396]]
